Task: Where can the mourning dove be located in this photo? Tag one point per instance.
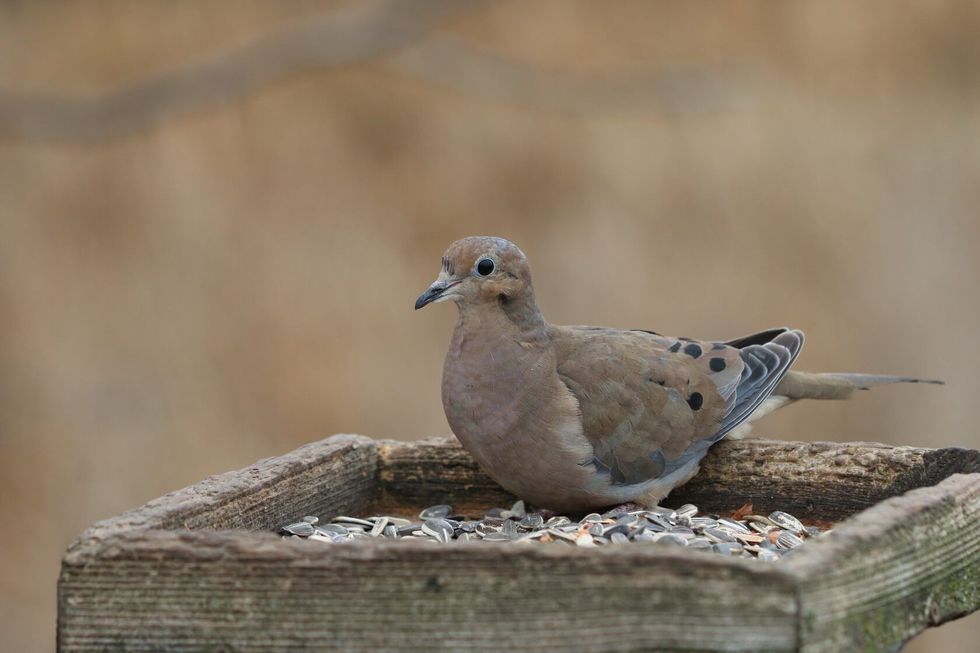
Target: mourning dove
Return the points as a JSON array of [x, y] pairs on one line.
[[579, 417]]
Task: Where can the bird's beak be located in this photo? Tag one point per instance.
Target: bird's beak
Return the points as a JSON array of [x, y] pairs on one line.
[[434, 293]]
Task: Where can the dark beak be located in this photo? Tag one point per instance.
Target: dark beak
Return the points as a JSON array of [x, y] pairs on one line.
[[430, 295]]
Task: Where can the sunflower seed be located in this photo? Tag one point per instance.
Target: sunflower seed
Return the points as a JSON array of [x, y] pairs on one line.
[[497, 537], [687, 510], [584, 539], [411, 529], [670, 538], [755, 536], [644, 535], [379, 527], [735, 526], [562, 535], [786, 521], [629, 519], [759, 527], [718, 535], [397, 521], [302, 529], [558, 520], [436, 512], [728, 548], [438, 528], [787, 540], [608, 531], [332, 529], [351, 521]]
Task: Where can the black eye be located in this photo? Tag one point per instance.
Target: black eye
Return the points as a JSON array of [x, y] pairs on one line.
[[484, 267]]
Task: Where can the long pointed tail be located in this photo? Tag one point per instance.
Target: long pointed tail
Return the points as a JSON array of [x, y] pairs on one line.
[[835, 385]]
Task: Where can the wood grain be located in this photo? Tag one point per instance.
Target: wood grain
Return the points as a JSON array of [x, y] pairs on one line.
[[825, 481], [200, 568], [910, 562], [324, 477], [225, 591]]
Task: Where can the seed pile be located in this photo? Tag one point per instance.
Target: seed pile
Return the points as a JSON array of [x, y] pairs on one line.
[[752, 536]]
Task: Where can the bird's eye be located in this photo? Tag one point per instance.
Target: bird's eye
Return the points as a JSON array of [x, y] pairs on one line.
[[484, 267]]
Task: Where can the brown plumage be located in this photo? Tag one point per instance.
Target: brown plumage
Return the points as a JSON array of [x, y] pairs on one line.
[[577, 417]]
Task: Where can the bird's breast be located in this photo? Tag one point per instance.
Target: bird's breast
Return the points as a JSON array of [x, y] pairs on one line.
[[507, 406], [485, 385]]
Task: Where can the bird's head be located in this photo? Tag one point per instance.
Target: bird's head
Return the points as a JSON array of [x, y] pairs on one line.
[[480, 269]]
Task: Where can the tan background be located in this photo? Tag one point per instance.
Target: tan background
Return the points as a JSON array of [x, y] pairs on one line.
[[194, 278]]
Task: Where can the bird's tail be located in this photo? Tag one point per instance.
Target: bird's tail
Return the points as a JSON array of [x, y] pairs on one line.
[[835, 385]]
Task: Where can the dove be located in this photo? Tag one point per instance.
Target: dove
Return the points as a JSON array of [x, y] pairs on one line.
[[577, 417]]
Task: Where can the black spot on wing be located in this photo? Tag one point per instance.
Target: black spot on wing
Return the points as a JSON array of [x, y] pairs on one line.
[[693, 350], [695, 401]]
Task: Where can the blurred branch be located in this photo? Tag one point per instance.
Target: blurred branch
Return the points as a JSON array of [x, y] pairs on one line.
[[344, 37], [387, 30], [452, 63]]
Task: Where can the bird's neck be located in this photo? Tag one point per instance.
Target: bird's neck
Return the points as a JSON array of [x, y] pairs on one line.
[[516, 316], [493, 362]]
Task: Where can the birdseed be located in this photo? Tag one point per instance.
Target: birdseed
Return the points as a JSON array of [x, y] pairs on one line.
[[753, 536]]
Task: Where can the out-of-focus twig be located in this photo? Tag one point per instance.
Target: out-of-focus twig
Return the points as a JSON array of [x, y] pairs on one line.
[[396, 34], [361, 32], [452, 63]]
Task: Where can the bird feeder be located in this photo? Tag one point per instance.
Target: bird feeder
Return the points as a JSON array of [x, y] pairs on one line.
[[202, 568]]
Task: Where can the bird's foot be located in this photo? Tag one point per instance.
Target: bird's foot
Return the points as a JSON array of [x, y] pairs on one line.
[[620, 510]]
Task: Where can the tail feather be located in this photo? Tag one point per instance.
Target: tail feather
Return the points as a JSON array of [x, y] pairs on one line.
[[836, 385]]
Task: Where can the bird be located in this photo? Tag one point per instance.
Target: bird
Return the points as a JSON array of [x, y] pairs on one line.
[[576, 418]]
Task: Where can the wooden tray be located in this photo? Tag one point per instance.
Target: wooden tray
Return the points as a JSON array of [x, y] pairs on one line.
[[201, 569]]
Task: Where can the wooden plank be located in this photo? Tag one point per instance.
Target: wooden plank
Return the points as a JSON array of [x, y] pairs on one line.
[[159, 577], [910, 562], [326, 477], [819, 480], [251, 592], [433, 471]]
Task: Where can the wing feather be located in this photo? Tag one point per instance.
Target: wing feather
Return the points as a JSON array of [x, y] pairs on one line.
[[653, 405]]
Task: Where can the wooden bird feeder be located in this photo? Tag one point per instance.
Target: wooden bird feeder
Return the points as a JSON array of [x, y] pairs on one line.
[[202, 569]]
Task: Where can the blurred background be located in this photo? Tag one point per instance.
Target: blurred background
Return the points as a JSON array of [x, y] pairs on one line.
[[215, 218]]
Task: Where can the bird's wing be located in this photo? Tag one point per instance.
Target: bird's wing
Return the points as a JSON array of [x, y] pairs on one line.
[[652, 404]]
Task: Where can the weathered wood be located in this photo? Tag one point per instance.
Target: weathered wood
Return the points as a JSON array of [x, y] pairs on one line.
[[249, 593], [822, 480], [879, 578], [324, 477], [162, 578], [437, 470]]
